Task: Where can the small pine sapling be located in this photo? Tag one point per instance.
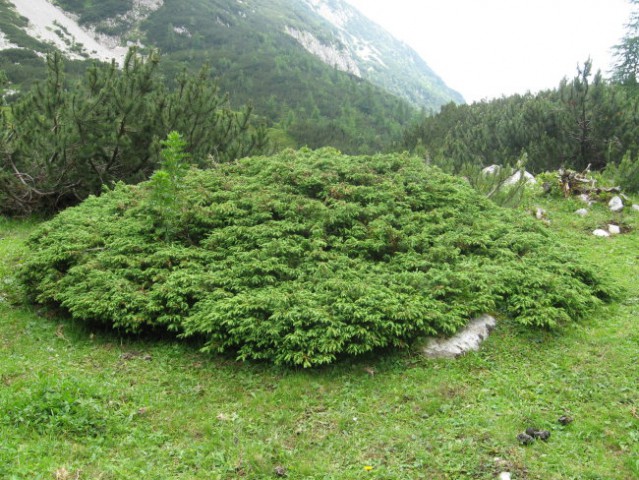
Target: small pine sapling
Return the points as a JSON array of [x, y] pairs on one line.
[[167, 184]]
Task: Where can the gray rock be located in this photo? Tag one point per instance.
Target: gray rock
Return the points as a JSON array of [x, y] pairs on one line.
[[635, 207], [491, 170], [601, 233], [582, 212], [538, 434], [615, 204], [469, 339], [585, 198], [614, 229], [525, 439], [543, 435], [516, 177], [513, 179], [540, 213], [565, 420], [505, 476]]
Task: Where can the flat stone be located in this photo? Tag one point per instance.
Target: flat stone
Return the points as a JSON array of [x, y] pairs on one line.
[[582, 212], [601, 233], [614, 229], [469, 339], [615, 204]]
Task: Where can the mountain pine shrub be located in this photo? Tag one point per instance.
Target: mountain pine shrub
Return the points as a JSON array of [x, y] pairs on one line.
[[307, 256], [625, 174]]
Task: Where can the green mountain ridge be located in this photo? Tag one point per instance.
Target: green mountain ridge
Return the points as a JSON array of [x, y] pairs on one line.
[[318, 70]]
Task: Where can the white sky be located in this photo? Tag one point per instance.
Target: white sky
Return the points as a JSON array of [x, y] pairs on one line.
[[489, 48]]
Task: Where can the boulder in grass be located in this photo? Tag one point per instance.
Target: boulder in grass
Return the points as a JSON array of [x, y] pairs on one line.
[[615, 204], [600, 232], [469, 339], [582, 212], [635, 207], [614, 229]]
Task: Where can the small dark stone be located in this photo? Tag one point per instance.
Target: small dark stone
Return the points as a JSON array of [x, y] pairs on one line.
[[525, 439], [280, 471], [538, 434], [565, 420], [542, 435]]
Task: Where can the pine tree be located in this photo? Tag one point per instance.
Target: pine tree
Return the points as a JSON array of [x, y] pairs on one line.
[[626, 69], [66, 142]]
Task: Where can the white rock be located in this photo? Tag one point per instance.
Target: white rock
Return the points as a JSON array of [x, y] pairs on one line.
[[585, 198], [516, 177], [615, 204], [635, 207], [51, 24], [513, 179], [601, 233], [505, 476], [491, 170], [469, 339], [540, 213], [614, 229], [330, 54], [582, 212]]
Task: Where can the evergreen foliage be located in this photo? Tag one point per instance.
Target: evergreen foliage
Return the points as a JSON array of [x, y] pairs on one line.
[[92, 11], [168, 182], [625, 173], [64, 142], [627, 52], [307, 256], [585, 121], [245, 48]]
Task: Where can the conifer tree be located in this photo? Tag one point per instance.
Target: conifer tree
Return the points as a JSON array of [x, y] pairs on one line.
[[66, 142], [627, 52]]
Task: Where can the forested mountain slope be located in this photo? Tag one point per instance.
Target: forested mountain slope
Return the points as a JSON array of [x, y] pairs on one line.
[[318, 69]]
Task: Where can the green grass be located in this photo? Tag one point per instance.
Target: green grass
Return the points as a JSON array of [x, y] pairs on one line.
[[80, 402]]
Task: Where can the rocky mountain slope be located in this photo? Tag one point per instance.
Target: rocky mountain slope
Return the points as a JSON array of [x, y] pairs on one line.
[[295, 60]]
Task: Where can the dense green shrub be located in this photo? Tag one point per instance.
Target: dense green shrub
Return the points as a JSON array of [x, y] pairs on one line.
[[60, 143], [305, 256], [625, 174]]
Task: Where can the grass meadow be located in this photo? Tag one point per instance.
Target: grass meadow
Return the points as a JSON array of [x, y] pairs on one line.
[[80, 402]]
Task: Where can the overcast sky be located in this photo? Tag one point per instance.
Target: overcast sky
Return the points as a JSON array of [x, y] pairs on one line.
[[489, 48]]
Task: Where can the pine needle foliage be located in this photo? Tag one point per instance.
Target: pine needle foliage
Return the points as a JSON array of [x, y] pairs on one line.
[[62, 142], [168, 182], [306, 257]]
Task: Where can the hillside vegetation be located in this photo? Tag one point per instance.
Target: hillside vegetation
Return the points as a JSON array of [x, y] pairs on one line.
[[587, 122], [80, 400], [244, 45], [304, 257], [63, 141], [183, 306]]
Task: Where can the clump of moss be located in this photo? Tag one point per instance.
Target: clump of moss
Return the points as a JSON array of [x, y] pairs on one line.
[[307, 256]]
